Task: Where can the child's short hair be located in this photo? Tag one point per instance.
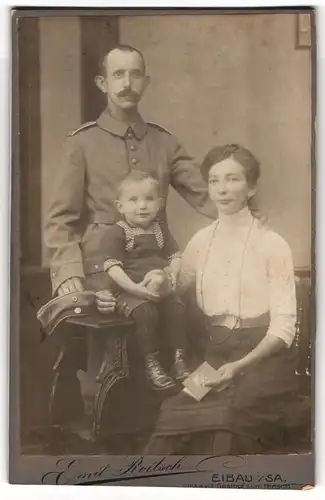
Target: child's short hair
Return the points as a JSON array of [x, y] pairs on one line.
[[242, 155], [136, 177]]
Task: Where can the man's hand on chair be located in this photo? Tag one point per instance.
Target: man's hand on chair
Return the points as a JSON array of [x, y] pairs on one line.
[[71, 285], [105, 302]]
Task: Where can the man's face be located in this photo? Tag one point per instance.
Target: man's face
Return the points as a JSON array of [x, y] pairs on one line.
[[125, 80]]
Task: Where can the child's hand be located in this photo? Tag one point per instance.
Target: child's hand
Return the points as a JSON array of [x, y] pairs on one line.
[[157, 282], [150, 277], [142, 292]]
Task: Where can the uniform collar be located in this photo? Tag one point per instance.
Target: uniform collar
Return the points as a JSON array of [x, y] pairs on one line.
[[117, 127]]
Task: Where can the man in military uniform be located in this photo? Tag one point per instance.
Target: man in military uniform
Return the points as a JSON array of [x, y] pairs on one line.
[[96, 158]]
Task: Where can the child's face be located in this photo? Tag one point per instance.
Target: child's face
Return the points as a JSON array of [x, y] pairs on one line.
[[228, 187], [139, 202]]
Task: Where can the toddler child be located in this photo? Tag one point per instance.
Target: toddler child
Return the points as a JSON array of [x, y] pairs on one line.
[[143, 260]]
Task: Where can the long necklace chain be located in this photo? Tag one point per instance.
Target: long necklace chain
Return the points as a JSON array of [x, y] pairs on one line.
[[238, 318]]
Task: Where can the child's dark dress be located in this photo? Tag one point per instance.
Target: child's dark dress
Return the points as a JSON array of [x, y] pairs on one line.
[[138, 251]]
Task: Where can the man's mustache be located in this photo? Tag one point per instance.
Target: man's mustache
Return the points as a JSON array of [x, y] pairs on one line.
[[128, 93]]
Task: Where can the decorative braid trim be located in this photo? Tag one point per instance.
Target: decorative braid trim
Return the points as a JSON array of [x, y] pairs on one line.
[[110, 263]]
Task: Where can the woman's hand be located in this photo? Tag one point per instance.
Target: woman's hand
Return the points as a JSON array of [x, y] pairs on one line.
[[173, 271], [105, 302], [225, 376], [173, 276]]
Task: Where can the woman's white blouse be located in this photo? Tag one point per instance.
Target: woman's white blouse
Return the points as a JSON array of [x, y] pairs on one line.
[[243, 270]]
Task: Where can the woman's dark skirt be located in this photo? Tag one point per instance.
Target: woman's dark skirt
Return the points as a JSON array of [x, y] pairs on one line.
[[254, 410]]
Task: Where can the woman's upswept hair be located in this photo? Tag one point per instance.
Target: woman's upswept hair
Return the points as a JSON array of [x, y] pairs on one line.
[[238, 153], [245, 158]]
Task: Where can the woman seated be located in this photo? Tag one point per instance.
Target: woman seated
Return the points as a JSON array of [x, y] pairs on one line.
[[245, 287]]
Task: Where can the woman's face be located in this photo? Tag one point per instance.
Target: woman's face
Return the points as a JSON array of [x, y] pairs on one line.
[[228, 187]]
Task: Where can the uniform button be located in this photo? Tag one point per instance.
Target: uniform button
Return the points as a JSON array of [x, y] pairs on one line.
[[77, 310], [129, 135], [53, 275], [74, 299], [134, 161], [133, 148], [96, 266]]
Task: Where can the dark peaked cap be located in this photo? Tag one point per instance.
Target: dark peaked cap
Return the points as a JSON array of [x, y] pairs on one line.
[[68, 306]]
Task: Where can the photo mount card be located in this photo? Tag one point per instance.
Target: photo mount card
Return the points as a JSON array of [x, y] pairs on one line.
[[240, 62]]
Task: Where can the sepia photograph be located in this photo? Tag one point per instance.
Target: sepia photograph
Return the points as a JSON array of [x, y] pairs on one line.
[[163, 274]]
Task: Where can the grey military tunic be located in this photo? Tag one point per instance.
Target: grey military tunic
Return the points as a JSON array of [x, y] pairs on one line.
[[96, 158]]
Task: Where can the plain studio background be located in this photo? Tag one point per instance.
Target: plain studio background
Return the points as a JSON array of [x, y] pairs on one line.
[[215, 79]]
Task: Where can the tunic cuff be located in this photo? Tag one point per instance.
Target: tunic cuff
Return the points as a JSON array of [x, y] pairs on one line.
[[60, 274]]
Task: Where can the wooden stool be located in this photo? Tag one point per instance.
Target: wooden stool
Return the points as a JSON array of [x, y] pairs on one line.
[[92, 359], [99, 387]]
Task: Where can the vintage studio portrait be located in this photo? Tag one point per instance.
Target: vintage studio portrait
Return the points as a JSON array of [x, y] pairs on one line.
[[166, 264]]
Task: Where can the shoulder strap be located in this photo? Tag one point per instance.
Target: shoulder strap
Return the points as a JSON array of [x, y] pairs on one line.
[[83, 127], [128, 233], [159, 127], [159, 234]]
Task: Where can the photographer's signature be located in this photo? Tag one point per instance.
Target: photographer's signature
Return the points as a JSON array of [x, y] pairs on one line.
[[69, 471]]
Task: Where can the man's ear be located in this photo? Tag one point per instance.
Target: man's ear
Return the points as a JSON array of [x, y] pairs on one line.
[[100, 83], [147, 81]]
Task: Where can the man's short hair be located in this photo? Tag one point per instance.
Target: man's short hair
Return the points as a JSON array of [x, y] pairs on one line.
[[122, 48]]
